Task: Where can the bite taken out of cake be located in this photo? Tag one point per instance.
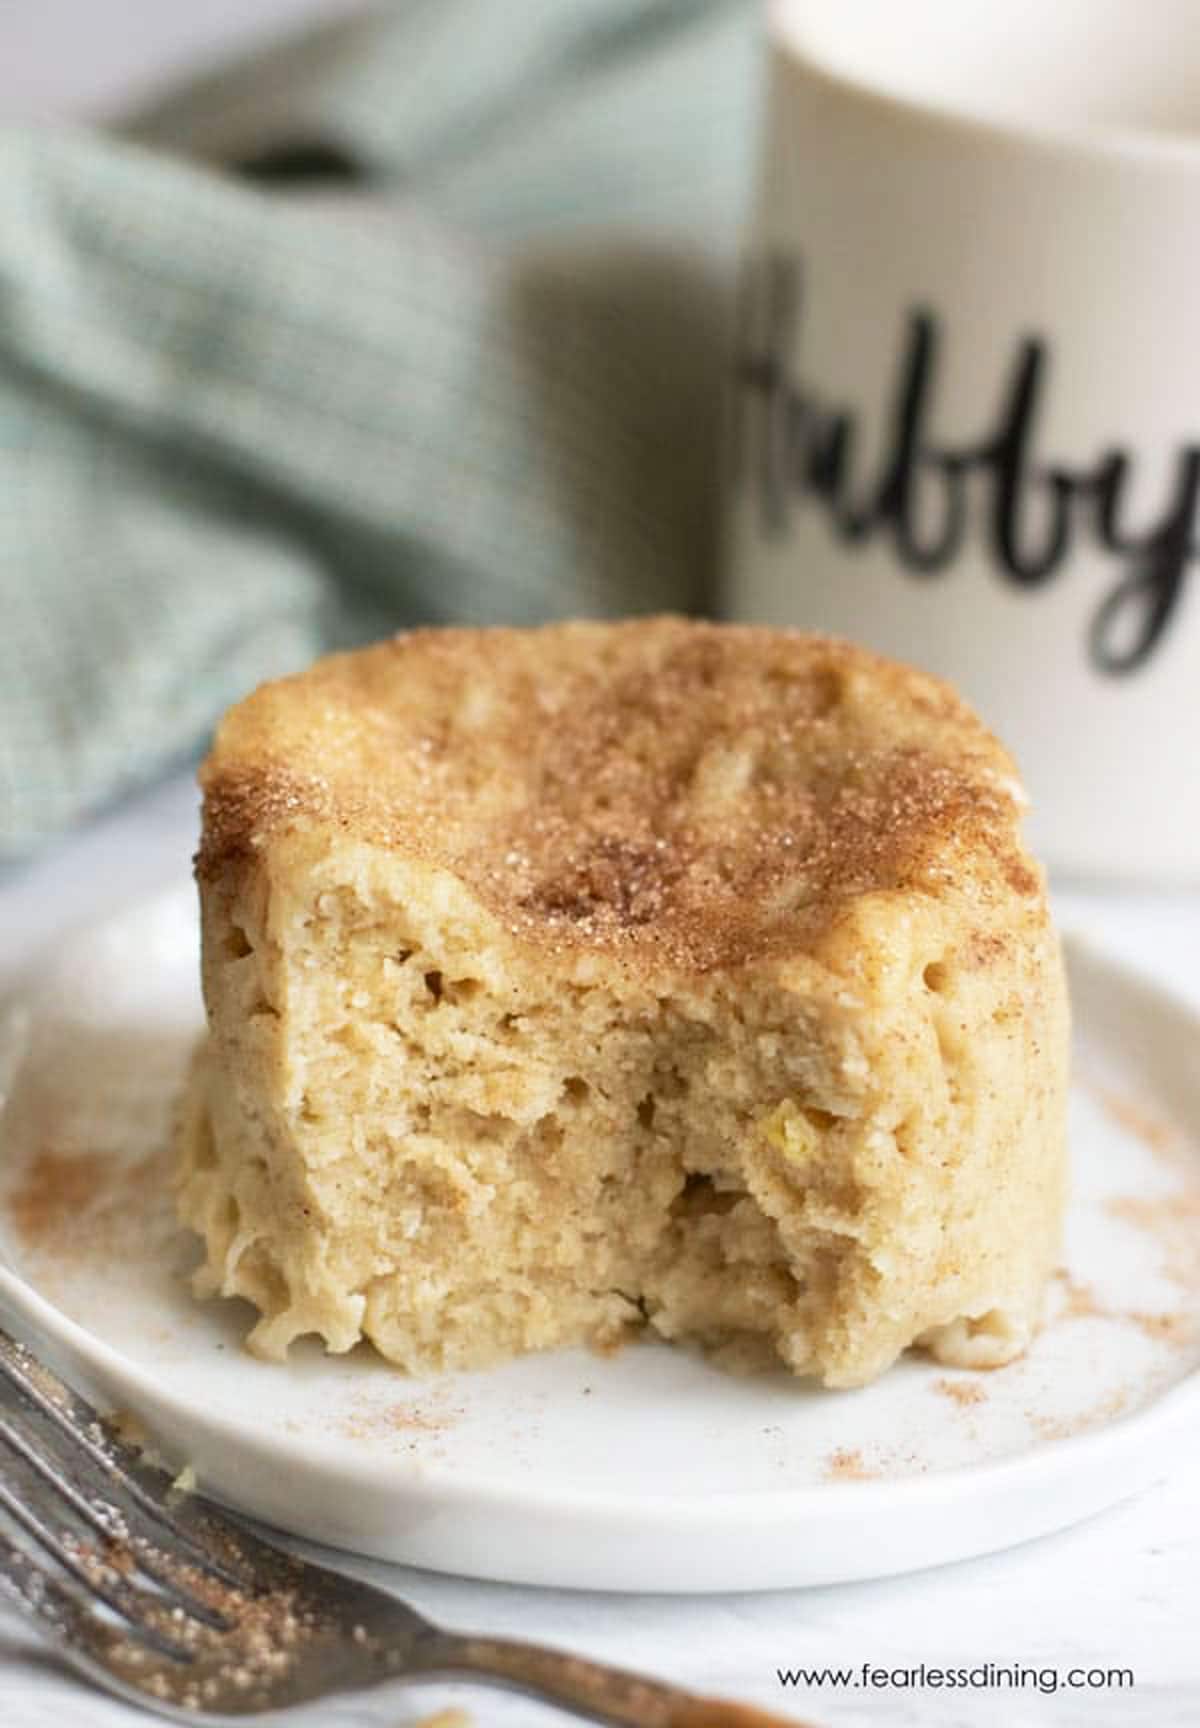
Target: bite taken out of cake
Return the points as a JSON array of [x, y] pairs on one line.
[[660, 974]]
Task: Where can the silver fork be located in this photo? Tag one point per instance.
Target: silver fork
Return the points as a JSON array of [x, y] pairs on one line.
[[156, 1595]]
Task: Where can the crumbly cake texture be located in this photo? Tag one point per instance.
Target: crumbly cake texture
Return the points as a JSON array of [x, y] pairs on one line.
[[563, 982]]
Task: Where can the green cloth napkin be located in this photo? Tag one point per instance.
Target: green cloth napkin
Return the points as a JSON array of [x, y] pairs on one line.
[[420, 317]]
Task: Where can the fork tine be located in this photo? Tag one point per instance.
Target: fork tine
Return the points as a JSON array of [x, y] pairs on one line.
[[65, 1612], [46, 1494], [37, 1591], [138, 1607], [217, 1547]]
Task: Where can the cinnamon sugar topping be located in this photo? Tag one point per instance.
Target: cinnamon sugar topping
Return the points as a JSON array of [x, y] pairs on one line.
[[687, 793]]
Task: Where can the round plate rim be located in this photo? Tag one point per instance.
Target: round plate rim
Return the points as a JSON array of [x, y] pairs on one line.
[[1119, 1439]]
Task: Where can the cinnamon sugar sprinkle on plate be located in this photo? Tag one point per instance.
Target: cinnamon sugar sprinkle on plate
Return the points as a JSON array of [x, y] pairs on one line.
[[1081, 1301], [845, 1464], [961, 1392], [90, 1204], [1064, 1427], [1153, 1132], [401, 1421]]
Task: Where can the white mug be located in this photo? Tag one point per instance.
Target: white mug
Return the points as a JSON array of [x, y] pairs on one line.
[[967, 398]]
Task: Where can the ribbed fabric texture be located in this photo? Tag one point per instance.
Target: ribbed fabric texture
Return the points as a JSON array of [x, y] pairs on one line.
[[245, 418]]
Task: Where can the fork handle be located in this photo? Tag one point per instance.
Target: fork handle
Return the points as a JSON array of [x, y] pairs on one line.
[[597, 1693]]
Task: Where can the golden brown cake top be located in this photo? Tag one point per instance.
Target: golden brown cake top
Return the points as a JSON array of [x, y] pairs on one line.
[[693, 794]]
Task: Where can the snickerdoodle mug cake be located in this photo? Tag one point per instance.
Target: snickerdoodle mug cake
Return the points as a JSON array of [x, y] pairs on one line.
[[657, 974]]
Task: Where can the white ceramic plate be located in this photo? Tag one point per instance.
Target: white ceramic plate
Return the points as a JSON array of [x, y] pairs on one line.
[[652, 1470]]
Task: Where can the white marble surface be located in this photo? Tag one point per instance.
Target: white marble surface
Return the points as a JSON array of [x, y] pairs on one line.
[[1119, 1591]]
